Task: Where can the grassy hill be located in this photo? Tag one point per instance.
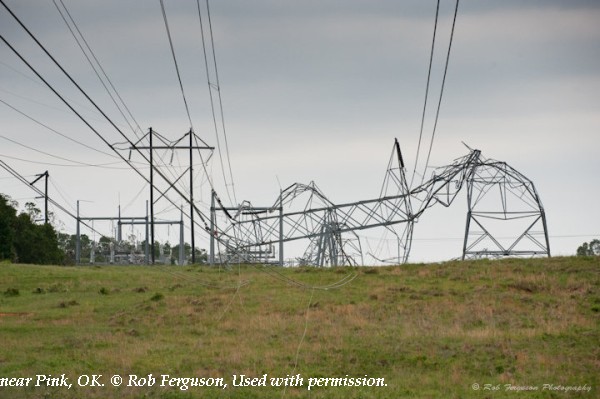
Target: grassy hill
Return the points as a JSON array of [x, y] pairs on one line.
[[430, 331]]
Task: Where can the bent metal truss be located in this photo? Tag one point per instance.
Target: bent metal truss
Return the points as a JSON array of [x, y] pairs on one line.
[[505, 216]]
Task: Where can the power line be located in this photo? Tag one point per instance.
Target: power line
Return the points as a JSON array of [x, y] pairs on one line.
[[51, 163], [217, 86], [56, 131], [41, 84], [77, 163], [16, 174], [98, 63], [31, 100], [10, 177], [437, 114], [191, 133], [134, 198], [437, 10], [62, 194], [187, 109], [164, 13]]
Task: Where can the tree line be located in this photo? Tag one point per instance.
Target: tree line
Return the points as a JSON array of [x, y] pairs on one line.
[[22, 240]]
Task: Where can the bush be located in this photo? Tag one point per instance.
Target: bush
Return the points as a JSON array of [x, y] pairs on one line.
[[11, 292], [589, 249], [157, 297]]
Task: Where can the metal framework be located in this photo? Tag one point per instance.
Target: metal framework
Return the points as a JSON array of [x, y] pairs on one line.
[[38, 177], [166, 145], [505, 214], [304, 212], [130, 220]]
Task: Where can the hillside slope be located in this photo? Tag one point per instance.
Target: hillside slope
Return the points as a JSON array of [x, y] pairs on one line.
[[421, 331]]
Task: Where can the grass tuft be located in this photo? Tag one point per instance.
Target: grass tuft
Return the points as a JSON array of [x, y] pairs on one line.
[[157, 297], [11, 292]]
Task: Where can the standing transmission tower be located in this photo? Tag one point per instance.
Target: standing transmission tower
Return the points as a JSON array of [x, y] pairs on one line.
[[505, 214]]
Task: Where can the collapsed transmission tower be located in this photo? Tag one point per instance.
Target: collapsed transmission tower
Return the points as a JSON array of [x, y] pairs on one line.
[[304, 212]]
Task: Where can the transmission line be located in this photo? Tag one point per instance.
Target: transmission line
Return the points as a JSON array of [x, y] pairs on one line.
[[162, 5], [62, 194], [185, 100], [99, 66], [217, 86], [187, 109], [437, 114], [22, 179], [77, 163], [56, 131], [437, 10]]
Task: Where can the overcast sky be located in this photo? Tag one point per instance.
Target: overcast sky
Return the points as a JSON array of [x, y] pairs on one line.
[[317, 90]]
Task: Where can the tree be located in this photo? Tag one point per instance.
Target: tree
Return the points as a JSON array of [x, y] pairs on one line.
[[21, 240], [201, 255], [8, 216], [35, 243], [589, 249], [33, 211]]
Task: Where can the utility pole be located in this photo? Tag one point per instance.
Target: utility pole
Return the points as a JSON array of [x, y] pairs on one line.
[[193, 243], [151, 199], [78, 238], [147, 246], [211, 259], [281, 262], [45, 174], [189, 147]]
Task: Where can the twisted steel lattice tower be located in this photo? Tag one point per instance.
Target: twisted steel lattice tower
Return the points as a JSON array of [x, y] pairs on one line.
[[500, 201]]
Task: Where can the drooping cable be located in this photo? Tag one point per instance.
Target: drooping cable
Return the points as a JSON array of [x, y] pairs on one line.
[[75, 163], [56, 131], [98, 64], [437, 10], [162, 5], [216, 85], [187, 108], [220, 99], [61, 192], [437, 114], [16, 174]]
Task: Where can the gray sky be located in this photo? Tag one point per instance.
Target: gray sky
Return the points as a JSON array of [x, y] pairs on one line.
[[318, 91]]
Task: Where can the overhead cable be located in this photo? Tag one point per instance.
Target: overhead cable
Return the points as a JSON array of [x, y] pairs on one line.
[[217, 86], [56, 131], [162, 5], [437, 10], [187, 108], [437, 114], [74, 162], [16, 174], [94, 67]]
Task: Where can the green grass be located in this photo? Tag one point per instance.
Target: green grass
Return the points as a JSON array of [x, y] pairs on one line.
[[430, 330]]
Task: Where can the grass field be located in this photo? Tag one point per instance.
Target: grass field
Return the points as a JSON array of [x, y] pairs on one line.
[[430, 331]]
